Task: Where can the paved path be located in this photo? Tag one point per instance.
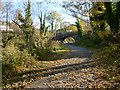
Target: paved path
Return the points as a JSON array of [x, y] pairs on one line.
[[79, 51], [64, 71]]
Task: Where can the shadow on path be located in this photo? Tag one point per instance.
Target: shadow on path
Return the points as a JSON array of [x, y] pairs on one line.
[[49, 71], [57, 70]]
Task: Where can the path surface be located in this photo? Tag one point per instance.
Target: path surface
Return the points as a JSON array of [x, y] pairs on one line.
[[79, 51], [68, 73], [76, 71]]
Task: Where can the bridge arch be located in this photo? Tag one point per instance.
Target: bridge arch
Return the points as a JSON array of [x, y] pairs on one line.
[[62, 36]]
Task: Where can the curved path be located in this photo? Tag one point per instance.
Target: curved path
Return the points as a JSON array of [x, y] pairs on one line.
[[68, 73], [79, 51]]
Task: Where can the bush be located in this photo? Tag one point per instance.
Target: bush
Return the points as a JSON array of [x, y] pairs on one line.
[[41, 54], [39, 40], [16, 62], [44, 46], [45, 42], [89, 41], [8, 70], [14, 58], [55, 45], [112, 55], [6, 36]]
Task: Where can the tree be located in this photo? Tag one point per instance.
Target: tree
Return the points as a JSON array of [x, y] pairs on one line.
[[6, 8], [79, 28], [101, 15], [1, 5], [42, 16], [79, 10], [72, 27], [54, 19], [113, 16], [65, 25], [25, 24], [1, 8], [97, 17], [107, 12]]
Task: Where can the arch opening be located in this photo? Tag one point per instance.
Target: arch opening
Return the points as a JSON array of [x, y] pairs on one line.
[[68, 40]]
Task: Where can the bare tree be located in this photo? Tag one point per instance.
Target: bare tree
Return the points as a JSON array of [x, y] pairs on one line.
[[54, 18], [79, 10], [1, 5], [6, 11]]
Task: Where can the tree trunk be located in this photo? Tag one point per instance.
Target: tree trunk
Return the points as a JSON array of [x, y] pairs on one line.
[[111, 20], [6, 20], [117, 17], [52, 26]]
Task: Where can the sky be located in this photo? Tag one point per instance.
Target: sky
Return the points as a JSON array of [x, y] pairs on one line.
[[51, 6], [54, 5], [48, 7]]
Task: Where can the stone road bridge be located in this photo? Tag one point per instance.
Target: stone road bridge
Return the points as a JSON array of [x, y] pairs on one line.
[[62, 36]]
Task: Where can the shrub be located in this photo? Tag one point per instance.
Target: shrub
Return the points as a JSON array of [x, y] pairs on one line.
[[42, 54], [14, 57], [39, 40], [112, 55], [6, 36], [89, 41], [44, 46], [55, 45]]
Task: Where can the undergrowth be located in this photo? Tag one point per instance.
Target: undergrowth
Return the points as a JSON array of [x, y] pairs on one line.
[[109, 61]]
